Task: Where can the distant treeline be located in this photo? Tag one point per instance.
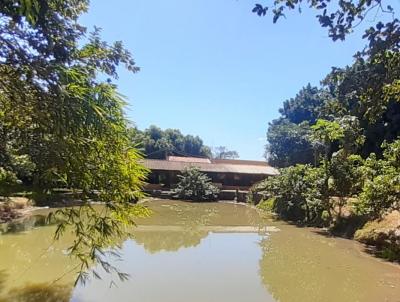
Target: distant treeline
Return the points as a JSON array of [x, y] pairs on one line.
[[156, 143]]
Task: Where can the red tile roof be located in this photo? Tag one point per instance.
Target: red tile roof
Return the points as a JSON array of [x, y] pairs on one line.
[[189, 159], [240, 162], [218, 166]]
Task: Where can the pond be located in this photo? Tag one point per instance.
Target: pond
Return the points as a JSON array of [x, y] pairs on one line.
[[199, 252]]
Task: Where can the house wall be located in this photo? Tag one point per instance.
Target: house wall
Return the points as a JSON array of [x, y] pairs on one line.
[[225, 181]]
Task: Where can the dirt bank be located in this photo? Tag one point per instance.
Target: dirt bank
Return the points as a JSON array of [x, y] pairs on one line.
[[383, 234], [12, 208]]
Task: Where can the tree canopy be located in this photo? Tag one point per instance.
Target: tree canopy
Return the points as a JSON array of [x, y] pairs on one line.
[[157, 143], [366, 91], [340, 18], [59, 115]]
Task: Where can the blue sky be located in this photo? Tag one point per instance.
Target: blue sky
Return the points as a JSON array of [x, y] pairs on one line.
[[212, 68]]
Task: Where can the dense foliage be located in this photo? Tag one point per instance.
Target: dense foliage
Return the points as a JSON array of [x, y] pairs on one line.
[[62, 125], [368, 90], [288, 143], [381, 182], [195, 185], [295, 194], [340, 18], [345, 95], [317, 195], [341, 139], [157, 143]]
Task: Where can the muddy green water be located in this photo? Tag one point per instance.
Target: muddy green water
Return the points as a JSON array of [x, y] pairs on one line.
[[200, 253]]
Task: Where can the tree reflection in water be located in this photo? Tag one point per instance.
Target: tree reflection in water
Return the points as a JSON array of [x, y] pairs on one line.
[[298, 265], [181, 231], [32, 261], [176, 225], [169, 241]]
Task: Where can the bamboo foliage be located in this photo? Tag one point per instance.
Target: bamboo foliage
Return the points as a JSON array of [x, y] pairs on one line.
[[56, 110]]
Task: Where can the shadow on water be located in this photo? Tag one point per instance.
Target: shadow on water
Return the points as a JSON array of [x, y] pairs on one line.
[[38, 293], [34, 292], [24, 224], [387, 252], [310, 264], [3, 277], [384, 250]]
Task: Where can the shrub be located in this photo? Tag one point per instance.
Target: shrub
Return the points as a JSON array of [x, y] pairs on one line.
[[381, 189], [194, 185], [267, 205], [379, 195], [294, 194], [345, 174]]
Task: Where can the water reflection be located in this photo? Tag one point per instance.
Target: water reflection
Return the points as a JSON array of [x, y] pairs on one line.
[[223, 267], [299, 265], [170, 241], [175, 225], [23, 224], [199, 252], [193, 215], [30, 261]]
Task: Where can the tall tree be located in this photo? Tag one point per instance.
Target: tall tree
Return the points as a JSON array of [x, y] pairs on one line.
[[57, 111], [307, 105], [223, 152], [288, 143], [360, 90], [369, 89], [288, 136]]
